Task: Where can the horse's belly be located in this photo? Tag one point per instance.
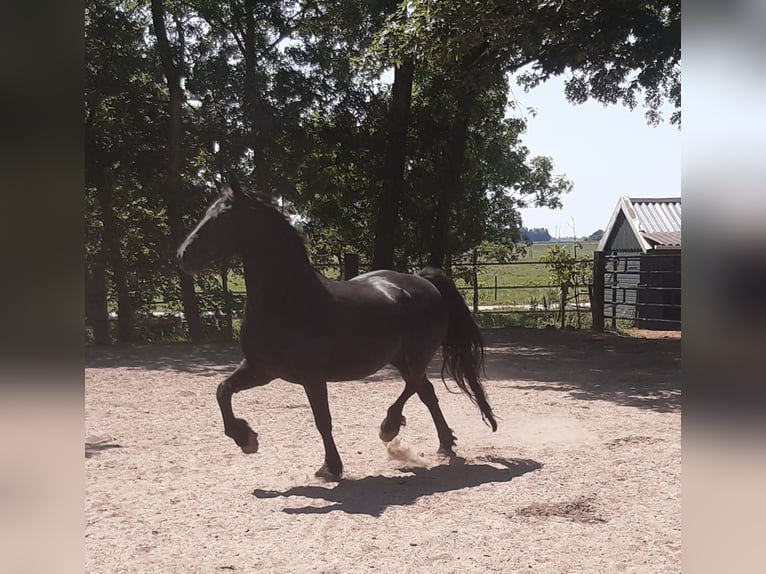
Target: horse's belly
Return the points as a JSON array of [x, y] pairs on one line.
[[354, 361], [323, 362], [351, 372]]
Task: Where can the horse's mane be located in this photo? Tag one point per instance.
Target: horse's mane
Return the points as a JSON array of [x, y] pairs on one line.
[[266, 204]]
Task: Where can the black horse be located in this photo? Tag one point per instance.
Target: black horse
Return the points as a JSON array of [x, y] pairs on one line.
[[306, 329]]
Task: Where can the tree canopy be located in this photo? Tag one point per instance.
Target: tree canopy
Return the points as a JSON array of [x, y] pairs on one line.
[[613, 50]]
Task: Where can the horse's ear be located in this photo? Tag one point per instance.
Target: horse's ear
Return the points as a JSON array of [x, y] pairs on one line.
[[235, 187]]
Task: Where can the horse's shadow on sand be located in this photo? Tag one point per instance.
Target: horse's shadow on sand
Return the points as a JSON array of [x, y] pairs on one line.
[[372, 495]]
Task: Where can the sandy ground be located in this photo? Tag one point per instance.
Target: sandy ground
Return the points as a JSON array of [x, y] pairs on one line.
[[583, 474]]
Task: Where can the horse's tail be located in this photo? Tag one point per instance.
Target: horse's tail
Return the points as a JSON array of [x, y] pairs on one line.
[[463, 346]]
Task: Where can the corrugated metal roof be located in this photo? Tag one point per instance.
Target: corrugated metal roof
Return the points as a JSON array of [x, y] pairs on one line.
[[655, 221], [658, 215], [672, 239]]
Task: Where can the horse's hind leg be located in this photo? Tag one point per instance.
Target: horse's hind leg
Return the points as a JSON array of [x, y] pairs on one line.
[[332, 469], [390, 426], [241, 379], [394, 420], [447, 438]]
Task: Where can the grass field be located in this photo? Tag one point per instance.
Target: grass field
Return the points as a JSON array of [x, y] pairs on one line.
[[524, 282]]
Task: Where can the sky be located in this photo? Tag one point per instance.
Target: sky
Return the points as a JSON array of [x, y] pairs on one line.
[[606, 151]]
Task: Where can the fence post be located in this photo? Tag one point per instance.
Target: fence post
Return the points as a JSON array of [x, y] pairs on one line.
[[615, 281], [350, 265], [227, 306], [597, 295]]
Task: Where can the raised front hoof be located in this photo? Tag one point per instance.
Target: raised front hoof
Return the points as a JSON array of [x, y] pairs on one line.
[[329, 475], [245, 437], [389, 431]]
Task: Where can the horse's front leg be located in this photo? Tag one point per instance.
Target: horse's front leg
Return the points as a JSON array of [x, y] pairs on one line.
[[332, 469], [244, 377]]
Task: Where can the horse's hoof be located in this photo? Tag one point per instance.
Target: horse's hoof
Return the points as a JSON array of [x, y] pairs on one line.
[[326, 474], [252, 443], [388, 434], [446, 451]]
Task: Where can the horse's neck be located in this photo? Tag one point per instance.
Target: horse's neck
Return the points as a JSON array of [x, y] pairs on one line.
[[272, 276]]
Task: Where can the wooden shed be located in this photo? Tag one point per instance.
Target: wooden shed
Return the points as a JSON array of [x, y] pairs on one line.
[[642, 262]]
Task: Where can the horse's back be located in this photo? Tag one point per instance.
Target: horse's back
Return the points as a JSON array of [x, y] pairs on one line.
[[397, 287]]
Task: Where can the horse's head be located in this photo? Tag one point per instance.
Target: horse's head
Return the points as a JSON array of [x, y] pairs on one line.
[[219, 234]]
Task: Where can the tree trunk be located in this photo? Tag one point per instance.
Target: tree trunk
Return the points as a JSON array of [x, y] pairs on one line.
[[172, 194], [393, 168], [448, 264], [110, 239], [256, 115], [451, 170], [96, 307], [562, 307], [475, 279]]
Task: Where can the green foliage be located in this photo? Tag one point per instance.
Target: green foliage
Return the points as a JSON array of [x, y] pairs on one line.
[[124, 135], [612, 51], [499, 178], [567, 272], [565, 269], [545, 320]]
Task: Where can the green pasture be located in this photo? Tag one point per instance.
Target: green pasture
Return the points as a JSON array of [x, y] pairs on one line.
[[529, 280]]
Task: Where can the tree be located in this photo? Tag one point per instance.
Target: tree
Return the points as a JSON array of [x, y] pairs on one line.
[[118, 85], [496, 179], [337, 199], [172, 68], [567, 272], [536, 234], [614, 51], [464, 78], [596, 235], [394, 167]]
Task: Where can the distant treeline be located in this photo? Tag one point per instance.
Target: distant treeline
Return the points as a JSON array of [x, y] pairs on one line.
[[540, 234]]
